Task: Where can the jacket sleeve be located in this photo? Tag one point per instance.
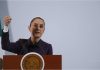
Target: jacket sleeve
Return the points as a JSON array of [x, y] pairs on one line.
[[9, 46], [50, 50]]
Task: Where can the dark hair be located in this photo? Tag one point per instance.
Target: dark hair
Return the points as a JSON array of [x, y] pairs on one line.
[[37, 18]]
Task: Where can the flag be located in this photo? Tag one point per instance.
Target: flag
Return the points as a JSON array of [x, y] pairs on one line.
[[0, 28]]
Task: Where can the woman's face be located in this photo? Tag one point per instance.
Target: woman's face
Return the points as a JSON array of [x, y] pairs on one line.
[[37, 28]]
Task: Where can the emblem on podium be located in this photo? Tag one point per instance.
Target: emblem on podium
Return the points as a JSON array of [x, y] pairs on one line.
[[32, 61]]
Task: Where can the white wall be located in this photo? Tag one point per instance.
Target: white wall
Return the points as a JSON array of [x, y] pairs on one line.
[[72, 27]]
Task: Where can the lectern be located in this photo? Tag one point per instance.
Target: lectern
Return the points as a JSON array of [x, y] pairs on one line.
[[52, 62]]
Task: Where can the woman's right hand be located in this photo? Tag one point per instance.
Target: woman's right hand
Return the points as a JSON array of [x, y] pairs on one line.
[[7, 20]]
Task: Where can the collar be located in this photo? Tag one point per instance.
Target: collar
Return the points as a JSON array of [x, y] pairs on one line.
[[36, 44]]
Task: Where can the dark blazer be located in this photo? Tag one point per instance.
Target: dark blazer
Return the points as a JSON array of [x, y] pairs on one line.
[[23, 46]]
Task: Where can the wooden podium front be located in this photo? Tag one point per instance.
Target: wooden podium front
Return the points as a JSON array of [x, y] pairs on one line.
[[51, 62]]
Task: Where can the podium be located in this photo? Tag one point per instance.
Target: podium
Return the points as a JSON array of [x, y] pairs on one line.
[[52, 62]]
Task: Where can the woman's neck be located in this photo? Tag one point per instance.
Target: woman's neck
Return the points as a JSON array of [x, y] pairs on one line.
[[34, 40]]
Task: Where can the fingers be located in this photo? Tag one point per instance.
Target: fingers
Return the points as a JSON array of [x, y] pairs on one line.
[[7, 20]]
